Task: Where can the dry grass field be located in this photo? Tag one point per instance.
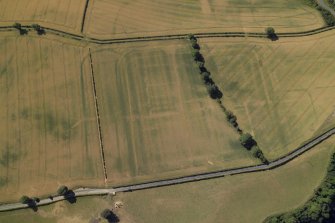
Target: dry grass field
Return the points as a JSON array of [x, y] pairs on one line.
[[125, 18], [60, 14], [156, 116], [282, 91], [237, 199], [48, 132]]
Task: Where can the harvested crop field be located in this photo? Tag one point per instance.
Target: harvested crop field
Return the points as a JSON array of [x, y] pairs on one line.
[[60, 14], [157, 119], [48, 132], [281, 91], [125, 18]]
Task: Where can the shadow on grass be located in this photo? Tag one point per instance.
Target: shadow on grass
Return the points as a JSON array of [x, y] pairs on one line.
[[70, 196]]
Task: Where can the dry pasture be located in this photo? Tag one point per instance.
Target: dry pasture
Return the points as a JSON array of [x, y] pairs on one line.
[[48, 132], [157, 119], [281, 91]]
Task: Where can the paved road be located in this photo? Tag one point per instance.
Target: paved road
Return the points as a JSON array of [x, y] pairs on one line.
[[325, 6], [204, 176]]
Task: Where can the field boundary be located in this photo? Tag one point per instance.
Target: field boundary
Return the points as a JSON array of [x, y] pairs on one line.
[[80, 192], [169, 37], [84, 16], [102, 152]]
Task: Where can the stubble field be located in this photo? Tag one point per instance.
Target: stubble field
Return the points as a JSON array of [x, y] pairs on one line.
[[126, 18], [60, 14], [281, 91], [48, 133]]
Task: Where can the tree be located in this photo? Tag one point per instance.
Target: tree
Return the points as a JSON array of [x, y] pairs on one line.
[[195, 45], [247, 141], [38, 29], [17, 26], [197, 56], [62, 190], [200, 64], [231, 118], [214, 91], [270, 32], [25, 199], [192, 37], [109, 215]]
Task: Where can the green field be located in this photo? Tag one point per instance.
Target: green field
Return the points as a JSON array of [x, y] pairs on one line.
[[157, 119], [282, 91], [126, 18], [48, 133], [236, 199]]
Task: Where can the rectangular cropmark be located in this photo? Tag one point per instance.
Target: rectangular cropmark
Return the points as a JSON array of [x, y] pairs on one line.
[[157, 119]]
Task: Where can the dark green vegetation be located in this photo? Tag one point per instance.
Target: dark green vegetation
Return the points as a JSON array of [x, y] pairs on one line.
[[214, 92], [319, 209], [271, 34], [68, 194], [18, 26], [38, 29], [62, 190], [25, 199], [109, 215], [250, 144], [327, 16]]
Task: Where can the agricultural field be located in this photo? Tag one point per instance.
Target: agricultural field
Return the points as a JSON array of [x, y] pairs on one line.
[[78, 111], [281, 91], [48, 132], [157, 119], [59, 14], [126, 18], [241, 198]]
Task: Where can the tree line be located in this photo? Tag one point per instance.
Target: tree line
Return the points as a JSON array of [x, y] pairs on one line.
[[319, 209], [246, 139], [70, 196], [23, 31]]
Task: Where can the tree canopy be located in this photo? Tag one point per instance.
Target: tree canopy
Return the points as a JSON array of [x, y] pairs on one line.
[[247, 141], [25, 199], [319, 209], [62, 190]]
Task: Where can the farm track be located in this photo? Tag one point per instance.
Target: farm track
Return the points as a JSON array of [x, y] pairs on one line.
[[186, 179]]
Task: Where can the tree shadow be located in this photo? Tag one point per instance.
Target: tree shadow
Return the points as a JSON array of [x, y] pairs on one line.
[[273, 37], [23, 32], [112, 218], [217, 94], [70, 196], [203, 69], [32, 205], [196, 46], [41, 32]]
